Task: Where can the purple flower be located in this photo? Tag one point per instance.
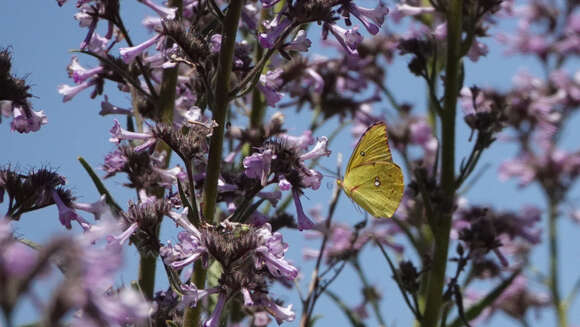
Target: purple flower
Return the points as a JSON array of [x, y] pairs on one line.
[[482, 104], [187, 251], [214, 319], [484, 229], [88, 17], [279, 313], [284, 184], [99, 208], [311, 179], [190, 247], [270, 253], [163, 12], [130, 53], [285, 159], [440, 32], [300, 143], [270, 84], [125, 307], [192, 295], [349, 39], [108, 108], [319, 150], [517, 297], [114, 162], [26, 120], [339, 241], [477, 50], [525, 43], [422, 135], [118, 134], [250, 14], [70, 92], [79, 73], [16, 259], [275, 28], [300, 42], [363, 118], [85, 16], [67, 214], [515, 300], [272, 197], [98, 44], [94, 295], [261, 319], [568, 46], [372, 19], [258, 166], [403, 10], [118, 240], [520, 167], [215, 43], [170, 176], [303, 221], [315, 79], [571, 86]]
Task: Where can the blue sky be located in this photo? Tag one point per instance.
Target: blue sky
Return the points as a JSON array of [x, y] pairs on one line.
[[40, 35]]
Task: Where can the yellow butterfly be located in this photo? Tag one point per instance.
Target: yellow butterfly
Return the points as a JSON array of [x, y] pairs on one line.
[[372, 179]]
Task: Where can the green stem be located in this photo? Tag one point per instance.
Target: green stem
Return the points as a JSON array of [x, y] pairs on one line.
[[442, 226], [119, 23], [147, 264], [561, 306], [192, 316], [169, 77], [258, 108], [230, 29]]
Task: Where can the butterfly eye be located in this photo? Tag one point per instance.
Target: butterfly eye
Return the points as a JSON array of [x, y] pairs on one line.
[[362, 153], [377, 181]]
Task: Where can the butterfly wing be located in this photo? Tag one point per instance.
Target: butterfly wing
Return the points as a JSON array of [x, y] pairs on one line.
[[372, 147], [377, 188]]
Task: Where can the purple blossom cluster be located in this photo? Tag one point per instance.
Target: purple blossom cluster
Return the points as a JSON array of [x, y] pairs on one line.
[[201, 147]]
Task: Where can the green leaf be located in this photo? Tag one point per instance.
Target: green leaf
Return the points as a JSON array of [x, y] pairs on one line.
[[245, 210], [477, 308], [174, 280], [185, 202], [171, 323], [214, 272], [100, 186]]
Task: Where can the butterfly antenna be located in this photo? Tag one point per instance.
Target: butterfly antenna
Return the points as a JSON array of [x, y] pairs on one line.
[[332, 174]]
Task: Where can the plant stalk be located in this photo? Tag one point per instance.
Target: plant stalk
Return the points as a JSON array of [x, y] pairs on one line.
[[229, 32], [146, 277], [442, 226], [147, 262], [192, 316], [560, 306]]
